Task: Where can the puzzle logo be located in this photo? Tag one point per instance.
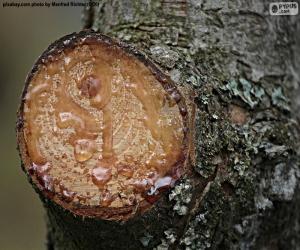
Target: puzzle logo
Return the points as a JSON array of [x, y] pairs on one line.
[[283, 8]]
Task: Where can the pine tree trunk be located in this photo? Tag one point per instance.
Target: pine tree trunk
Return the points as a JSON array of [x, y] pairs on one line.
[[238, 69]]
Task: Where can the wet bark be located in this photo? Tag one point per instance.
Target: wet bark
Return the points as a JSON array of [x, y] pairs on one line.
[[240, 67]]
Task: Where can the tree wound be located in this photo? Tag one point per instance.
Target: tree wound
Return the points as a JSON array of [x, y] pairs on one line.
[[103, 131]]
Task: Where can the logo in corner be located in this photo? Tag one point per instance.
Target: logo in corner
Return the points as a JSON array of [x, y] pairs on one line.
[[283, 8]]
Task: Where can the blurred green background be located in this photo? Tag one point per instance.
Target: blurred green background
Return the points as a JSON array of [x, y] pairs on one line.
[[24, 35]]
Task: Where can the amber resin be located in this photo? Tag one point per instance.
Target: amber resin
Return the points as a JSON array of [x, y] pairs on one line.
[[104, 130]]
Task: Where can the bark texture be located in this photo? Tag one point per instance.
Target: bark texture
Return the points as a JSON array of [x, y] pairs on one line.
[[240, 66]]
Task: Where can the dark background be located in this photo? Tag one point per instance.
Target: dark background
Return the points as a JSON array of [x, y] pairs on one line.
[[24, 35]]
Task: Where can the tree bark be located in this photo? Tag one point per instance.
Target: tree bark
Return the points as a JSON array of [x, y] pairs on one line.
[[239, 68]]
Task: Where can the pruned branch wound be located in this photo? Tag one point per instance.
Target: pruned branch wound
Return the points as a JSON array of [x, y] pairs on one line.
[[103, 131]]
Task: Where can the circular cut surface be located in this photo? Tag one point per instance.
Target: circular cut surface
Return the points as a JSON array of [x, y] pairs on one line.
[[100, 129]]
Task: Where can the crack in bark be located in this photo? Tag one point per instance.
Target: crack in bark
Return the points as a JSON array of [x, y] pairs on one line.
[[199, 192]]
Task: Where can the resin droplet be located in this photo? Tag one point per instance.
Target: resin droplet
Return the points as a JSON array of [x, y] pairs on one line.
[[42, 176], [67, 195], [84, 149], [46, 182], [125, 170], [159, 184], [90, 86], [67, 119], [101, 174], [142, 185], [106, 198], [39, 169]]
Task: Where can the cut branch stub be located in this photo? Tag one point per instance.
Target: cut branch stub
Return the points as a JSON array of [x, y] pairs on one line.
[[102, 131]]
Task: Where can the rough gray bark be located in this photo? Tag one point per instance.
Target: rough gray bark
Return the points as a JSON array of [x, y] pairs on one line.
[[243, 68]]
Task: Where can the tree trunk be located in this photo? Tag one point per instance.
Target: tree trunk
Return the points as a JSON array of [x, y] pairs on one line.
[[237, 68]]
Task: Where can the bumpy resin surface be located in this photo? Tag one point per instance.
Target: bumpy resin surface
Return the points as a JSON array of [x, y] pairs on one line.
[[100, 129]]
